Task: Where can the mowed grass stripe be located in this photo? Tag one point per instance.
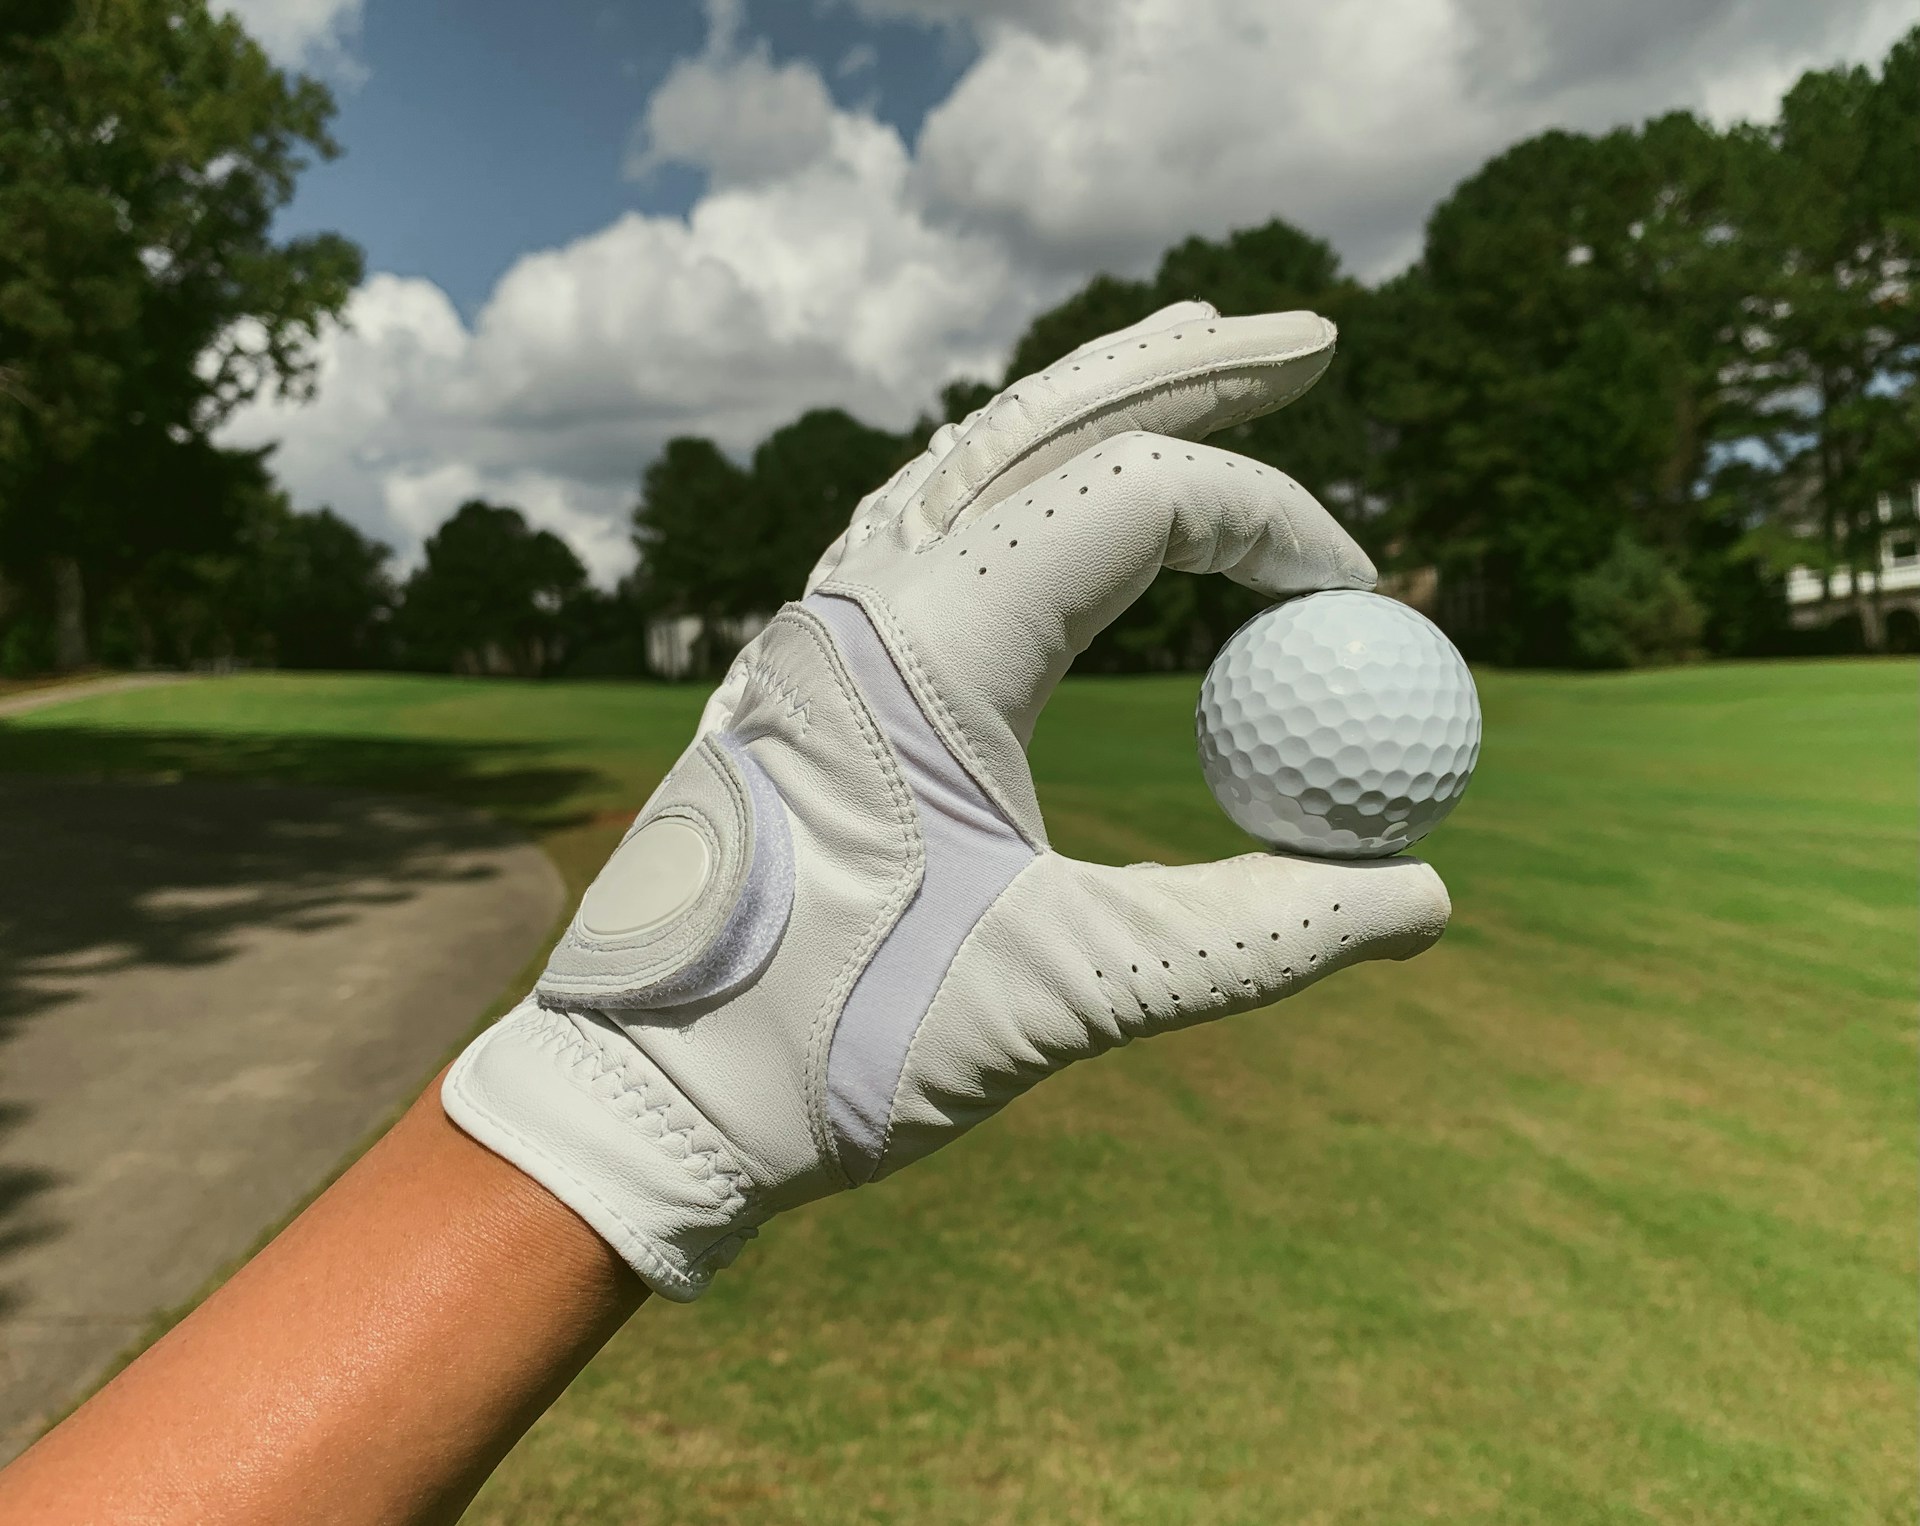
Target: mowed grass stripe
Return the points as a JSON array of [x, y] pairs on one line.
[[1602, 1211]]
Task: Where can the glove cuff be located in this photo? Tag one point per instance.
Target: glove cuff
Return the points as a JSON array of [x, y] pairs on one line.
[[567, 1098]]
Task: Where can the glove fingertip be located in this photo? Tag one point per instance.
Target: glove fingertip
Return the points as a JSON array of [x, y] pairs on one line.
[[1396, 907], [1425, 905]]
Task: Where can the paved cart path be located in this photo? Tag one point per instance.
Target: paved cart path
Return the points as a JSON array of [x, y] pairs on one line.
[[209, 993]]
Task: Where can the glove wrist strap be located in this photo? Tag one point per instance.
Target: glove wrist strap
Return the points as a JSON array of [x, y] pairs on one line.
[[566, 1099]]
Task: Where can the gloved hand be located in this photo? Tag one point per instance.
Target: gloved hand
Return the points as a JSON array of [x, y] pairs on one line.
[[836, 938]]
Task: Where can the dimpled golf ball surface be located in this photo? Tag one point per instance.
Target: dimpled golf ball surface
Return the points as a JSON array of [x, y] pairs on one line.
[[1338, 724]]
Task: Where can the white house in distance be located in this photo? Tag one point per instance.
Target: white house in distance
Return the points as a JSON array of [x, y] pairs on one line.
[[670, 642], [1815, 599]]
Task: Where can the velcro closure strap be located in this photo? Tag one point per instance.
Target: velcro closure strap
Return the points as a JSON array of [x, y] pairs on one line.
[[693, 902]]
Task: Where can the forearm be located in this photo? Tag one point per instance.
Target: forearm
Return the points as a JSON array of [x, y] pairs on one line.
[[372, 1364]]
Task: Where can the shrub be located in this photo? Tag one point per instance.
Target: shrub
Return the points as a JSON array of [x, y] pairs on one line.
[[1634, 610]]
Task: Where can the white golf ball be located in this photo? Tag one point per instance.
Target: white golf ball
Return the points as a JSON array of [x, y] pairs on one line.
[[1338, 724]]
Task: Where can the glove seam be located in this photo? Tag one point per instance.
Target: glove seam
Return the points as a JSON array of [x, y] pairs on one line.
[[651, 1261], [946, 976], [571, 1048], [759, 672], [927, 695], [1099, 402], [906, 817]]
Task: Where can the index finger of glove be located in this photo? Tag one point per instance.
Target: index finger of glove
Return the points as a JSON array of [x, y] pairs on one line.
[[1184, 372], [1035, 580], [885, 502], [908, 481]]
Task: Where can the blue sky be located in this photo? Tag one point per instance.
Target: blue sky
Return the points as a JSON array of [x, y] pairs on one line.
[[591, 227], [475, 131]]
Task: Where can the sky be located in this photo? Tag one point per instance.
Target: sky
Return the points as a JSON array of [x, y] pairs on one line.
[[593, 226]]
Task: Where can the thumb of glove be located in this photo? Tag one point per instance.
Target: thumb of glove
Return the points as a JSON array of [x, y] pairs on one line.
[[1075, 959], [1194, 942]]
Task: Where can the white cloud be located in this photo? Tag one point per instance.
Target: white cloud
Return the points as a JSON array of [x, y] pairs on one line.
[[739, 116], [303, 34], [824, 285], [828, 263], [1750, 90], [860, 56], [1100, 133]]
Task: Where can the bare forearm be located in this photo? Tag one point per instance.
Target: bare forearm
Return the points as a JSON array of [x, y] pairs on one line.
[[371, 1365]]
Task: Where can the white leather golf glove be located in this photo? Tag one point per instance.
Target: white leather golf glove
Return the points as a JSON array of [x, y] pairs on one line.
[[836, 938]]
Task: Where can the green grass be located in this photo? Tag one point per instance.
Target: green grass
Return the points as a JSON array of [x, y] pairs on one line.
[[1603, 1211]]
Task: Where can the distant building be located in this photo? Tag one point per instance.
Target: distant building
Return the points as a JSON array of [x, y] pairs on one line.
[[672, 643], [1417, 586], [1888, 597], [1458, 603]]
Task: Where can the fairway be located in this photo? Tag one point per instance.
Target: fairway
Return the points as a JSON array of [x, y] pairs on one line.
[[1601, 1212]]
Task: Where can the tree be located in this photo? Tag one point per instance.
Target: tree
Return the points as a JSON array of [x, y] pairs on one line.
[[723, 544], [1630, 377], [293, 590], [317, 592], [696, 529], [1550, 372], [1669, 334], [182, 596], [807, 478], [1831, 338], [1323, 439], [1634, 610], [145, 146], [493, 595]]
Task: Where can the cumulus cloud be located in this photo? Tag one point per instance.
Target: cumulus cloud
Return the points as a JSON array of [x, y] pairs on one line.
[[1096, 134], [829, 262], [823, 285], [861, 56], [303, 34], [739, 116]]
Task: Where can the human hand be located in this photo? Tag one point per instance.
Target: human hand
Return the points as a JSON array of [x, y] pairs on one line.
[[836, 938]]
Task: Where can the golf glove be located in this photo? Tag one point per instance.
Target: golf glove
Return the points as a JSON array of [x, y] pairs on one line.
[[836, 938]]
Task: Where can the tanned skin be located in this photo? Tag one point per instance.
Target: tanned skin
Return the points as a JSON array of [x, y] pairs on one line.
[[373, 1364]]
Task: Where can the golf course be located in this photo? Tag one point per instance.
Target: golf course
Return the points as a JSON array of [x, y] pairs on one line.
[[1603, 1211]]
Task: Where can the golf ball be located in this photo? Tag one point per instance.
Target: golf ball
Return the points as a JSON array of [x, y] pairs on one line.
[[1338, 724]]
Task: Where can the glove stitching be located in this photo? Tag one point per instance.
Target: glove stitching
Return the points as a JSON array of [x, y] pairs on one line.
[[927, 695], [589, 1064], [641, 1250], [977, 933], [907, 819], [1122, 393], [784, 692]]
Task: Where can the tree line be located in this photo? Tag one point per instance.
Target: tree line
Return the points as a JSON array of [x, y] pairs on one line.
[[1630, 379], [145, 148]]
